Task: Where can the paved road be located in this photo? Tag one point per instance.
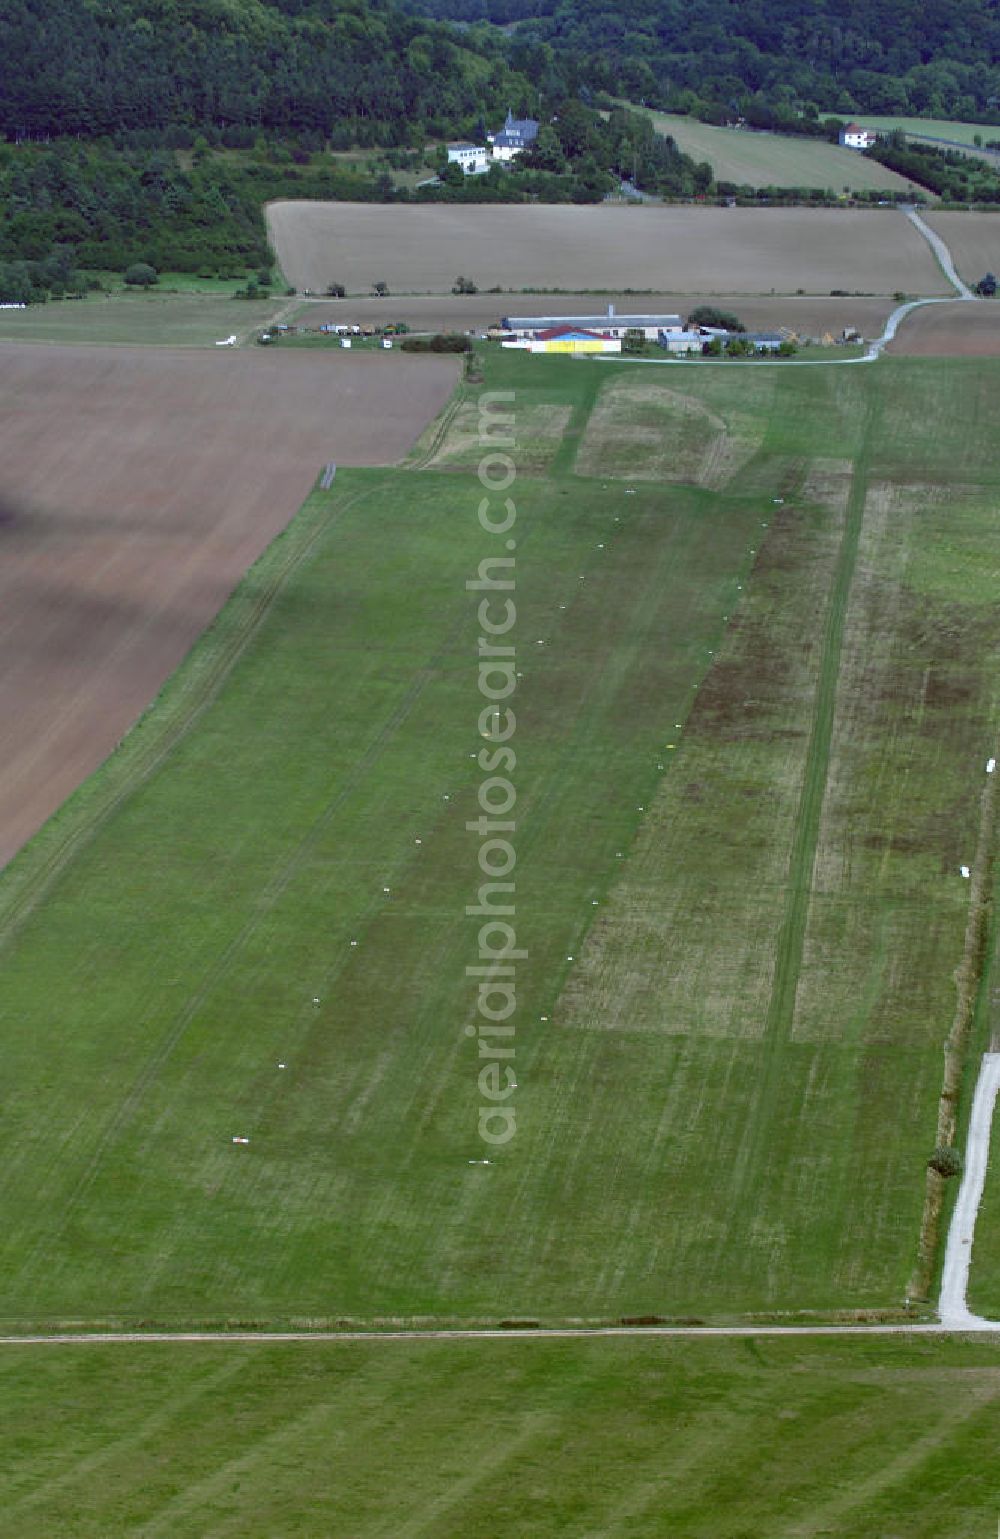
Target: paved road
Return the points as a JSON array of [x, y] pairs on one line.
[[953, 1306]]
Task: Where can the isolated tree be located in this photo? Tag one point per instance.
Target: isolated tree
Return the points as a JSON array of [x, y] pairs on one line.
[[380, 289], [452, 175], [709, 315], [336, 290], [987, 286], [464, 286], [140, 275]]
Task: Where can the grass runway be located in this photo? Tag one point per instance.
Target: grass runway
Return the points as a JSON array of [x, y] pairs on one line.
[[744, 956]]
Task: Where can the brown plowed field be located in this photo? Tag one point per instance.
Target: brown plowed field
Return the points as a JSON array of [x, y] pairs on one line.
[[972, 238], [135, 490], [427, 312], [961, 330], [421, 249]]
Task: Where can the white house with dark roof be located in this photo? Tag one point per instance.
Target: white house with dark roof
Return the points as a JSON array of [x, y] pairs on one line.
[[473, 158], [516, 135], [853, 137]]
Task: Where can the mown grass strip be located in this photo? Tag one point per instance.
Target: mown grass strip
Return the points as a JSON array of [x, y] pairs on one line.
[[181, 703], [803, 855]]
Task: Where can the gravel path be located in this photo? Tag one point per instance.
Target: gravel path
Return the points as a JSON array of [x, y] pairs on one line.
[[942, 253], [953, 1307]]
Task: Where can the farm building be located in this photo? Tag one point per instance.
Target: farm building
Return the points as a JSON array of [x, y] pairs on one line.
[[515, 136], [763, 341], [853, 137], [682, 341], [473, 158], [567, 339], [612, 325]]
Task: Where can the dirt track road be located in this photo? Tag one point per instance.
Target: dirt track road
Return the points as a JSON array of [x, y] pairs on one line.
[[942, 253], [954, 1308]]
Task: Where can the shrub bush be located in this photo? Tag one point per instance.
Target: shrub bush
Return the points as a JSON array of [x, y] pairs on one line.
[[709, 315], [442, 342], [946, 1161], [140, 275]]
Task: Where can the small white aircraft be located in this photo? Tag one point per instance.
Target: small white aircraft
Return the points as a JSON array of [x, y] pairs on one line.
[[228, 342]]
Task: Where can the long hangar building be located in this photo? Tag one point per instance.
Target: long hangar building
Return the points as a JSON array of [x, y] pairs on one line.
[[609, 325], [587, 333]]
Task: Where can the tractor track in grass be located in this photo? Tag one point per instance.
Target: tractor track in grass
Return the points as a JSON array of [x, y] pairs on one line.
[[421, 460], [810, 809], [494, 1333], [802, 858]]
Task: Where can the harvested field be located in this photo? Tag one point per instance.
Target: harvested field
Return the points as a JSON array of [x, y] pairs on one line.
[[973, 238], [135, 493], [960, 330], [778, 160], [687, 250], [808, 315]]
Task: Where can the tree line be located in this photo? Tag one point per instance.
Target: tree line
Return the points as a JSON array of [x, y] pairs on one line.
[[71, 206]]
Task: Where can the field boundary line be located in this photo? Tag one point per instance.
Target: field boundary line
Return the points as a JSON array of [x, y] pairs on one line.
[[473, 1333], [185, 696], [421, 459]]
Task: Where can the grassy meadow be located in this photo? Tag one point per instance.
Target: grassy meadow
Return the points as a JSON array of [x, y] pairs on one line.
[[182, 319], [638, 1439], [777, 160], [758, 663], [931, 128]]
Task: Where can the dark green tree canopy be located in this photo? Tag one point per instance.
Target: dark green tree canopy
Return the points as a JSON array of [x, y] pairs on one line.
[[887, 56], [99, 66]]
